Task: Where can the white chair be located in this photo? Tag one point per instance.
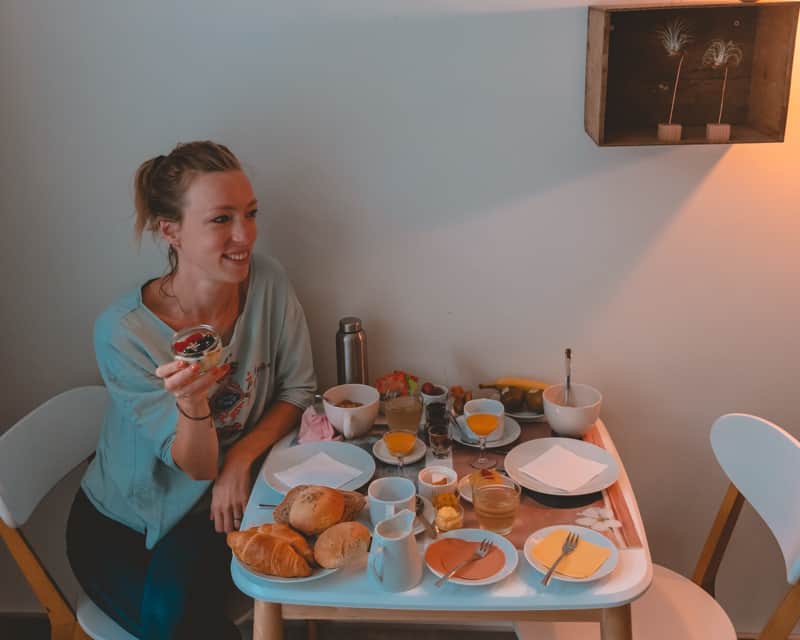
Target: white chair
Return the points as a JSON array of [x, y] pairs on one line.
[[762, 461], [35, 454]]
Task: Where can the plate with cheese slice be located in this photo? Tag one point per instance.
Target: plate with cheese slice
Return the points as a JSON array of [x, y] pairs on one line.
[[594, 558]]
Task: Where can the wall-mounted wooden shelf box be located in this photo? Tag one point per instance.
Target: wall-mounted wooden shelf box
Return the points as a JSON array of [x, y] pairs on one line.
[[630, 77]]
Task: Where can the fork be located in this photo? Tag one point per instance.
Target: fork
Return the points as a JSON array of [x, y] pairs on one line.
[[483, 548], [570, 544]]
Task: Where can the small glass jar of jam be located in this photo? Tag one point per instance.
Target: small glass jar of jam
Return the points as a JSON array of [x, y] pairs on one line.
[[200, 344]]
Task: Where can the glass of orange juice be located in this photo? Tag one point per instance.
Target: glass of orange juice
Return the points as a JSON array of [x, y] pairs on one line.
[[483, 415], [399, 444]]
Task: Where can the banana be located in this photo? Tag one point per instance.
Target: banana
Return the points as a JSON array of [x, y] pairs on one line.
[[523, 383]]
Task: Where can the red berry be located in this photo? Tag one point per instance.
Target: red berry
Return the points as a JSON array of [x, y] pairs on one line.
[[428, 389]]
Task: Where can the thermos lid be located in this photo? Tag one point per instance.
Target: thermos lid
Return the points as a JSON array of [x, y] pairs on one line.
[[350, 324]]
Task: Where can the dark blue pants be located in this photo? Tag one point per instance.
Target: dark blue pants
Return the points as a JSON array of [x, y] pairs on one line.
[[176, 590]]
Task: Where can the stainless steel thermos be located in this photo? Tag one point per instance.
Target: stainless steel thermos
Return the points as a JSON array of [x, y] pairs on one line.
[[351, 352]]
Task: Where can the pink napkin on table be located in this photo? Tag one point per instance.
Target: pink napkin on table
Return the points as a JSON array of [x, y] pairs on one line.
[[315, 427]]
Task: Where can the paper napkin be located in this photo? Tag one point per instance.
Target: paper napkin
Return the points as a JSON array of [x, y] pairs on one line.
[[581, 563], [562, 469], [318, 469]]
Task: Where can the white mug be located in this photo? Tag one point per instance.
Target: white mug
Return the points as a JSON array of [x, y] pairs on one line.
[[427, 489], [388, 496]]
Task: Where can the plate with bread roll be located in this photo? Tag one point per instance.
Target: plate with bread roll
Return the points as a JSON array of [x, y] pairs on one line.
[[310, 534]]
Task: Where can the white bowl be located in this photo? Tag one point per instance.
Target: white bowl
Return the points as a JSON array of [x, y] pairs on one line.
[[356, 421], [576, 419]]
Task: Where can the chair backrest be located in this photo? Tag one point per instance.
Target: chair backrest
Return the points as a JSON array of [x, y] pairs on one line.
[[763, 462], [44, 446]]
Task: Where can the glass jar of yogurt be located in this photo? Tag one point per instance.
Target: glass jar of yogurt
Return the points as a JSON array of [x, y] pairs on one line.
[[200, 344]]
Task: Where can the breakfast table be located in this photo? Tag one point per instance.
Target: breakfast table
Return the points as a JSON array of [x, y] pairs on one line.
[[352, 593]]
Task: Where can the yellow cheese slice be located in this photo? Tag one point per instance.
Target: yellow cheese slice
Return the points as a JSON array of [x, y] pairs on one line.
[[581, 563]]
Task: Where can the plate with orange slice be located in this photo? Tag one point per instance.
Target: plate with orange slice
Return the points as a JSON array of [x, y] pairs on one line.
[[455, 546]]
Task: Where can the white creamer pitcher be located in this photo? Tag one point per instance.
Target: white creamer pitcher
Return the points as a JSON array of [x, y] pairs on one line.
[[394, 558]]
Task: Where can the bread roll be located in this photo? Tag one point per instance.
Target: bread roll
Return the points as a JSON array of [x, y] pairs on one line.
[[287, 534], [341, 544], [353, 503], [315, 509], [267, 554], [281, 513]]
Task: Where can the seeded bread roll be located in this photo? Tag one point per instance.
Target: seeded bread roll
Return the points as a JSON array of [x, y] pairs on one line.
[[341, 544], [315, 508], [281, 513]]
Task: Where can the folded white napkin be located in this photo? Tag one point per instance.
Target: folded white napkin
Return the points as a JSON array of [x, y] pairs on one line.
[[318, 469], [561, 468]]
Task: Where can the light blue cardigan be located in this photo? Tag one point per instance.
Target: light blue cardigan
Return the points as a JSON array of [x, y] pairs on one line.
[[133, 478]]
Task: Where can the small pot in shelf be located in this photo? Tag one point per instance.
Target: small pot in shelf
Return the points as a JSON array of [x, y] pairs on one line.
[[669, 132], [718, 132]]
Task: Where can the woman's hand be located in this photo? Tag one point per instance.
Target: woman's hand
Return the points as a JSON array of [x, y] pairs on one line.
[[229, 496], [187, 383]]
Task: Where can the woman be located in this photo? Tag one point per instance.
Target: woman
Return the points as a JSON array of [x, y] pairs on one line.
[[172, 474]]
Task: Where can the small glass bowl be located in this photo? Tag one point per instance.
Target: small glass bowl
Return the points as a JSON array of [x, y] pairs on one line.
[[449, 518], [200, 344]]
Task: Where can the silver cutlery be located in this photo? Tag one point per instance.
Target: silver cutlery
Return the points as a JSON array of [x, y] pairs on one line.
[[420, 508], [570, 544], [483, 548]]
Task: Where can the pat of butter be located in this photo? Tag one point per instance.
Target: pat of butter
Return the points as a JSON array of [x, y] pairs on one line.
[[438, 478]]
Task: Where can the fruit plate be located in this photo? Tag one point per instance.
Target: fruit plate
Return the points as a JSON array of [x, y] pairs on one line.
[[587, 534], [316, 574], [510, 555]]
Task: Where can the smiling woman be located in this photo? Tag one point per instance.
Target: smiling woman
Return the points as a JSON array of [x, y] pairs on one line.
[[173, 465]]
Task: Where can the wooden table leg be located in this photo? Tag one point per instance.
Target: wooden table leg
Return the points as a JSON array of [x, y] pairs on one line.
[[267, 621], [615, 623]]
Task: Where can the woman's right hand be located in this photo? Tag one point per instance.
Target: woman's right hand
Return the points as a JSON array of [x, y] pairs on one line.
[[187, 383]]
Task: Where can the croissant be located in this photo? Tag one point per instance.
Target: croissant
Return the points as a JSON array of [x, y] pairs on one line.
[[287, 534], [268, 554]]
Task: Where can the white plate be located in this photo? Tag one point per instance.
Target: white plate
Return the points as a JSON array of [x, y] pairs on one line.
[[522, 454], [316, 574], [465, 488], [282, 459], [587, 534], [511, 431], [380, 451], [476, 535], [525, 416]]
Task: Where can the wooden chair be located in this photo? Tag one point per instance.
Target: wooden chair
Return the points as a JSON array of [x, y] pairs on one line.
[[35, 454], [762, 461]]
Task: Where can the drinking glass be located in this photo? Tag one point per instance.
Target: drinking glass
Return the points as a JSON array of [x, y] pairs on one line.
[[496, 504], [399, 444], [483, 416], [403, 412]]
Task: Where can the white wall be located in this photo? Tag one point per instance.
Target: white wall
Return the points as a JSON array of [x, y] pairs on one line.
[[423, 165]]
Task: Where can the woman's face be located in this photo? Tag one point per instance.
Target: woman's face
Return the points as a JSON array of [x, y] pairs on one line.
[[215, 239]]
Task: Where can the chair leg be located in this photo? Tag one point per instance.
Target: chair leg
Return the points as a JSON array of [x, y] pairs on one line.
[[311, 630], [784, 618]]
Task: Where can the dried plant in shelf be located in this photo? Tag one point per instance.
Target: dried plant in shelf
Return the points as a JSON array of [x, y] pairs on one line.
[[674, 37], [720, 53]]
